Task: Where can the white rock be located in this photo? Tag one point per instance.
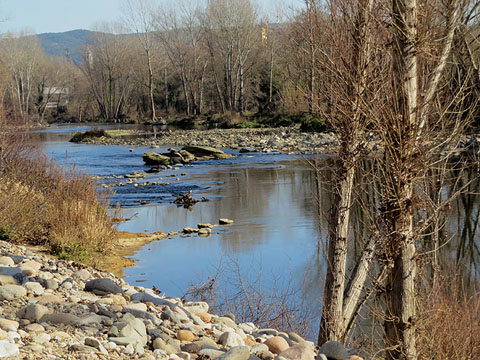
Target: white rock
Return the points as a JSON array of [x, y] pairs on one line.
[[231, 339], [13, 336], [8, 349], [6, 261], [34, 288]]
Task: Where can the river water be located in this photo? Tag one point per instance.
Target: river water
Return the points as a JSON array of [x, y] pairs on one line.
[[278, 239], [271, 197]]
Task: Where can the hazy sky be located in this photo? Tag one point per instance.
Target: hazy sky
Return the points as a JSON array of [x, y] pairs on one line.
[[62, 15]]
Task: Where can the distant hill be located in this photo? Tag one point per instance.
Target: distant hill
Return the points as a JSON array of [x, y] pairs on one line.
[[68, 43]]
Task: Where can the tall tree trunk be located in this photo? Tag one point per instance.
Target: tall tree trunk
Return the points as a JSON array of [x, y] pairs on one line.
[[400, 300], [332, 325], [166, 90], [339, 302], [150, 87]]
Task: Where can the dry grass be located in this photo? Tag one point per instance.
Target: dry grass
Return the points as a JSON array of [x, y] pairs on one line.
[[42, 203], [449, 322]]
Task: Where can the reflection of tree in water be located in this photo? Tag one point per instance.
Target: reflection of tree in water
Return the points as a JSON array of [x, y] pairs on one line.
[[280, 195], [464, 224]]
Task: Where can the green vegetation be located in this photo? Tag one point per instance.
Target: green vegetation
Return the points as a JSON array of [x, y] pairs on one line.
[[92, 133], [42, 204]]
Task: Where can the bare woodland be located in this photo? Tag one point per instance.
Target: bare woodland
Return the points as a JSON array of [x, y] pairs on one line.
[[396, 80]]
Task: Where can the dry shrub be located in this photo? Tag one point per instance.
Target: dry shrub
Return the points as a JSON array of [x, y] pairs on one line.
[[449, 321], [42, 203], [252, 297]]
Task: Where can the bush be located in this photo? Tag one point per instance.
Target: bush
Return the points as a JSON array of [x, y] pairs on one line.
[[42, 203], [247, 125], [92, 133], [310, 123]]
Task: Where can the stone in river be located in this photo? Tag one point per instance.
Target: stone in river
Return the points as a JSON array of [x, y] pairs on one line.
[[225, 221]]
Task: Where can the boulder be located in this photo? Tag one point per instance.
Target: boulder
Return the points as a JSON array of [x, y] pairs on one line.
[[32, 312], [12, 292], [152, 158], [103, 286], [333, 350], [185, 335], [236, 353], [277, 344], [231, 339], [7, 349], [60, 318], [301, 351], [8, 325]]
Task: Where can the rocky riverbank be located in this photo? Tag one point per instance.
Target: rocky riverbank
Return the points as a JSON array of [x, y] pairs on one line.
[[53, 309], [285, 140]]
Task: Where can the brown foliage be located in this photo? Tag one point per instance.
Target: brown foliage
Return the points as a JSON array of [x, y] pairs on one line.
[[42, 203], [448, 322]]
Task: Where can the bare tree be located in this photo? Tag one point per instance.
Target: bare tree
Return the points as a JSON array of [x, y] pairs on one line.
[[347, 68], [231, 27], [139, 18], [178, 29], [21, 55], [107, 70]]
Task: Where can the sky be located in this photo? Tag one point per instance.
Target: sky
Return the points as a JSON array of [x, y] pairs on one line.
[[42, 16]]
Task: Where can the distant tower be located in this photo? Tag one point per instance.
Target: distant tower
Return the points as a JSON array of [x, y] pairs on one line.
[[90, 58], [264, 34]]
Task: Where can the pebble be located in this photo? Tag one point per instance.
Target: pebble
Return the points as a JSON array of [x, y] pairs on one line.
[[7, 349], [12, 292], [277, 344], [185, 335], [6, 261]]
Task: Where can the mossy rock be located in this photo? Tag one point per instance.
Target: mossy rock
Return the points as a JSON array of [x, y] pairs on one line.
[[92, 133]]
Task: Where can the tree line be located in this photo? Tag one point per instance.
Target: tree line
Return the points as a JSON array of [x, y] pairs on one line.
[[187, 59]]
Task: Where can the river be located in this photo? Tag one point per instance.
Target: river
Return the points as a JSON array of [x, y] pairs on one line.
[[277, 243]]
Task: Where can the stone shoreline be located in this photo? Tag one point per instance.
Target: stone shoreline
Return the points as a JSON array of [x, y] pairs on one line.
[[284, 140], [54, 309]]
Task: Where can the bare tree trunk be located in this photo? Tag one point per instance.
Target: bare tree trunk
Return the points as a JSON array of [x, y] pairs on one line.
[[338, 304], [332, 326], [166, 90], [400, 300], [150, 86], [185, 91]]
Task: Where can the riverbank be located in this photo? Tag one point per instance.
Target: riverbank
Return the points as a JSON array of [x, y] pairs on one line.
[[60, 309], [284, 140]]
